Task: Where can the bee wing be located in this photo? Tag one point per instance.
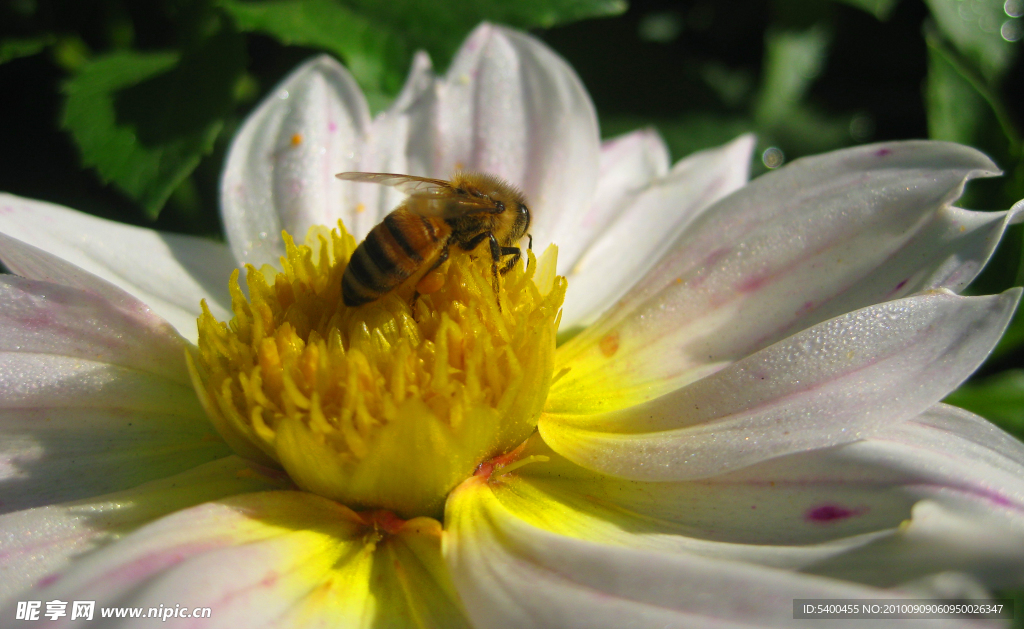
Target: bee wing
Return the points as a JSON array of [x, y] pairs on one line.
[[427, 197], [404, 183]]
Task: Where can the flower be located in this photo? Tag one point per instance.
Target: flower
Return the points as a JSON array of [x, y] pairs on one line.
[[744, 409]]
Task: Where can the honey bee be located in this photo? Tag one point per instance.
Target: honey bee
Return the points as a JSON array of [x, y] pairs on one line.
[[468, 210]]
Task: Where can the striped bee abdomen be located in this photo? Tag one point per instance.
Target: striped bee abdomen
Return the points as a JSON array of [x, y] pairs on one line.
[[392, 252]]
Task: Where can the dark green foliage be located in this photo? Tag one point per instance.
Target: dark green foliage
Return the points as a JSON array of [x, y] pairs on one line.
[[144, 120]]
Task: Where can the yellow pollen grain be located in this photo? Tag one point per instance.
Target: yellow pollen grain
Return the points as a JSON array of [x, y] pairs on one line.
[[296, 139]]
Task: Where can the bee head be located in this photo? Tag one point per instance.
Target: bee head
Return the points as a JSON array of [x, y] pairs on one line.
[[508, 203]]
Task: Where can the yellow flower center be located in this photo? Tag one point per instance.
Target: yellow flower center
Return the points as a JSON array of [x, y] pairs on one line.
[[388, 405]]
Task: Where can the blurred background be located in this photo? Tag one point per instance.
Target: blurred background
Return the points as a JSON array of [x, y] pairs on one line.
[[124, 108]]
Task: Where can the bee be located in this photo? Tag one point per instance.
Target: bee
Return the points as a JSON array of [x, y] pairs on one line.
[[470, 209]]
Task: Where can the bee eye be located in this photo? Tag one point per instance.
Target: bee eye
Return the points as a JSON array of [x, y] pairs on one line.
[[523, 209], [499, 206]]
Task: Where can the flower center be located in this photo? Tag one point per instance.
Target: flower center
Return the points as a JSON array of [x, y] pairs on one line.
[[391, 404]]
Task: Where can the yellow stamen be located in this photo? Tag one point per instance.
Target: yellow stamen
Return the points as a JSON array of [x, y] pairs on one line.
[[388, 405]]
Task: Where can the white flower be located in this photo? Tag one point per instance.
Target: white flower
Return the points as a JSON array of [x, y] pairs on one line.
[[748, 414]]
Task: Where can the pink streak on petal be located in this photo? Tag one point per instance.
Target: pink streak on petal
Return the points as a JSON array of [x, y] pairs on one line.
[[149, 565], [804, 309], [752, 284], [828, 513]]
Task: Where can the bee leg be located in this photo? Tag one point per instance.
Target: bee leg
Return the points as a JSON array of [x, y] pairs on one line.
[[496, 251], [471, 244], [516, 253]]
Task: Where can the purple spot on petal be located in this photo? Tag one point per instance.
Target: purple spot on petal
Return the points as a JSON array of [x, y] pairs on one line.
[[883, 152], [332, 126], [47, 580], [830, 513], [901, 284]]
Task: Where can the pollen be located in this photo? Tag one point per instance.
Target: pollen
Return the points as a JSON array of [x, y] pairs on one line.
[[388, 405]]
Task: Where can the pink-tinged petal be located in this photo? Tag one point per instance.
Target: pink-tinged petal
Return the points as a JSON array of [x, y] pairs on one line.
[[937, 537], [281, 166], [834, 383], [40, 317], [38, 545], [972, 477], [93, 398], [512, 107], [168, 273], [822, 236], [271, 559], [757, 514], [805, 510], [512, 574], [650, 220]]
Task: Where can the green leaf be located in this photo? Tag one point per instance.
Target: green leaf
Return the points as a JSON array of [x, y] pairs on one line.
[[793, 59], [963, 107], [144, 120], [955, 108], [999, 398], [974, 28], [881, 9], [439, 26], [11, 49], [1013, 338], [374, 55]]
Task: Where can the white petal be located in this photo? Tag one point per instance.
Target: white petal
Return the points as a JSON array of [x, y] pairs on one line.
[[512, 107], [628, 164], [649, 221], [169, 273], [51, 319], [39, 544], [800, 509], [822, 236], [92, 398], [834, 383], [763, 513], [511, 574], [398, 141], [281, 166], [972, 477], [270, 559], [937, 537]]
